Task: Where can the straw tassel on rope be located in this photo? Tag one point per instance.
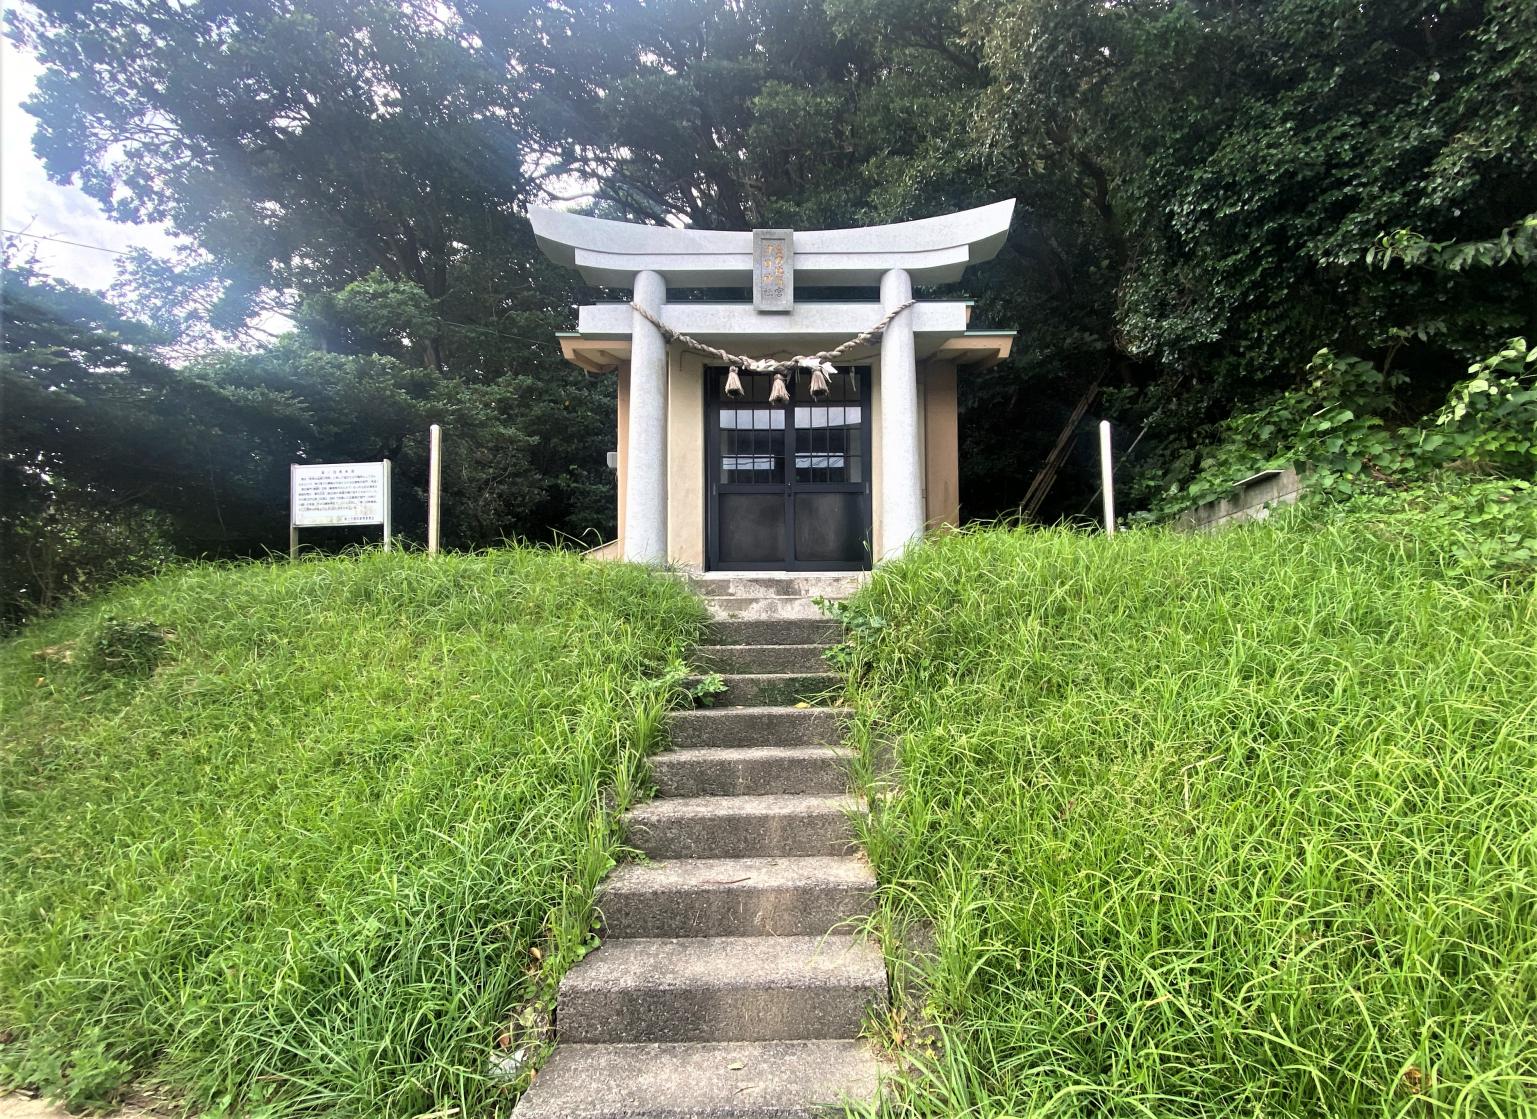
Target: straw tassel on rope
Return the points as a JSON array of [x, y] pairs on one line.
[[819, 385], [822, 373]]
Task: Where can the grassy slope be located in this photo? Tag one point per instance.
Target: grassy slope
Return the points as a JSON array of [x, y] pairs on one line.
[[1230, 826], [306, 860]]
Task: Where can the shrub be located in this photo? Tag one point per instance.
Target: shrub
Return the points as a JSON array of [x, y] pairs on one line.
[[1463, 473], [129, 646], [70, 548]]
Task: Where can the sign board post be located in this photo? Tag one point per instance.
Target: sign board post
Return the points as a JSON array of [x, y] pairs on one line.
[[387, 502], [323, 495], [434, 488], [1106, 477]]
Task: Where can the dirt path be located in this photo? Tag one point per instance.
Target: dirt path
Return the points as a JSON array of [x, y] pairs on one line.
[[28, 1107]]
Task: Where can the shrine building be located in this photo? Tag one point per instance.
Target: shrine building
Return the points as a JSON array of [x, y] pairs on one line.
[[780, 432]]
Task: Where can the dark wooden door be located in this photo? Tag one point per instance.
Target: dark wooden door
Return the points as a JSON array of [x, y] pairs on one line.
[[789, 488]]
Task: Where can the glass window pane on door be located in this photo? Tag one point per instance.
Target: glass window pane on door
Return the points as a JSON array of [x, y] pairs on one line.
[[829, 444], [752, 444]]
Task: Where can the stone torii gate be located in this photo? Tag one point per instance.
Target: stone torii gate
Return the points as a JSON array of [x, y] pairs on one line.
[[860, 472]]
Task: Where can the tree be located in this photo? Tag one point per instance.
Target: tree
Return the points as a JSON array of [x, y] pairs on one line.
[[1199, 182], [301, 146], [305, 148], [100, 436], [1239, 162], [107, 455]]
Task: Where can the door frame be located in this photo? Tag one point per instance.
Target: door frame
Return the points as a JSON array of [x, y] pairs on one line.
[[713, 403]]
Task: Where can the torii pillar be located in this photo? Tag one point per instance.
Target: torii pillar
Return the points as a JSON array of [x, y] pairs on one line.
[[901, 477], [645, 495]]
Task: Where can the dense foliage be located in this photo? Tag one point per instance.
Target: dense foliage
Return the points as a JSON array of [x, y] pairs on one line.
[[1469, 462], [1241, 825], [112, 460], [1205, 191], [301, 839]]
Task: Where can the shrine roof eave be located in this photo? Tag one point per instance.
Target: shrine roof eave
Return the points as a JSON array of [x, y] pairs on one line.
[[932, 250]]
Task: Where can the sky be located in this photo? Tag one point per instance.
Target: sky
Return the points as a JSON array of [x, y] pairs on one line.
[[29, 202]]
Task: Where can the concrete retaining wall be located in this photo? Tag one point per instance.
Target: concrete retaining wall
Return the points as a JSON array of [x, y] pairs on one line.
[[1251, 500]]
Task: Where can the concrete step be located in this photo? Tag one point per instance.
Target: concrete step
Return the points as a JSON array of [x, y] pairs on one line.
[[756, 726], [723, 1080], [774, 689], [768, 607], [731, 827], [752, 771], [738, 585], [773, 631], [736, 897], [748, 988], [760, 658]]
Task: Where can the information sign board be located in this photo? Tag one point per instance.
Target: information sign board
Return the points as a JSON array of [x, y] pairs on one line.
[[338, 493]]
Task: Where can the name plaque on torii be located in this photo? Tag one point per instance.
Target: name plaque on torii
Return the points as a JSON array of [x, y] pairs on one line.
[[773, 269]]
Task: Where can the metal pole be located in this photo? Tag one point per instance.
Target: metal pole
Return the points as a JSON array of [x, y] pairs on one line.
[[293, 529], [434, 487], [387, 504], [1106, 478]]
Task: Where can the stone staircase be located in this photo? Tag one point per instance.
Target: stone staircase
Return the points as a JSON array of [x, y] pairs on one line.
[[730, 982]]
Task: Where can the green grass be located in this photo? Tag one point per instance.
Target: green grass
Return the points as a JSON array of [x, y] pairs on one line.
[[303, 865], [1225, 826]]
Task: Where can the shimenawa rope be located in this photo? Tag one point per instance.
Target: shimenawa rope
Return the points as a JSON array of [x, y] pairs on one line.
[[819, 365]]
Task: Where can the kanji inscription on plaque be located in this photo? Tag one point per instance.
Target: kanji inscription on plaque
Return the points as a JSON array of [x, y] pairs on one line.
[[773, 269]]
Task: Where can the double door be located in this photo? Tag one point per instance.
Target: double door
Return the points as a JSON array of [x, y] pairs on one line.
[[789, 487]]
